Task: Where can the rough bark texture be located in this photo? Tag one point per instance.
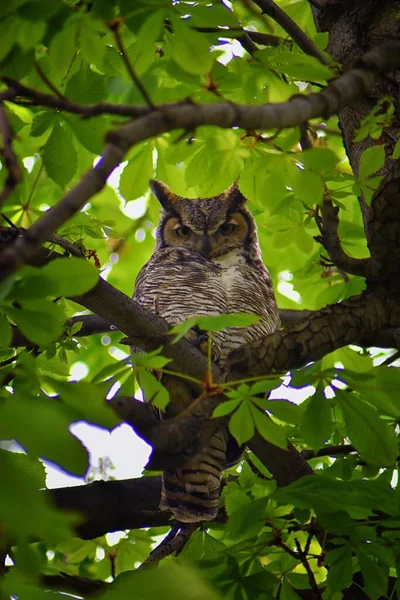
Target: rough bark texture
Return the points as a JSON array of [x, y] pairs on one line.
[[354, 28], [113, 505]]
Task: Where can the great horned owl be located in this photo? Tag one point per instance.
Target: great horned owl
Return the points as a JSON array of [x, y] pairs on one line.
[[206, 262]]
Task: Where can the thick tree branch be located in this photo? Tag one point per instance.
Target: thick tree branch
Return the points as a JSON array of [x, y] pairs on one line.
[[189, 116], [322, 332], [94, 325], [108, 506]]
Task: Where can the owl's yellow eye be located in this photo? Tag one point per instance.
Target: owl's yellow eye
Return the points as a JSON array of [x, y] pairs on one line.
[[182, 231], [227, 228]]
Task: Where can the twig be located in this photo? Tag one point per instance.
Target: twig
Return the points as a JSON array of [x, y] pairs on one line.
[[18, 90], [114, 26], [46, 80], [340, 449], [305, 142], [247, 44], [269, 8], [306, 565], [264, 39], [10, 158]]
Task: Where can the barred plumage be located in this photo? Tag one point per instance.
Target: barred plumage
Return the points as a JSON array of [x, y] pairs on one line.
[[206, 262]]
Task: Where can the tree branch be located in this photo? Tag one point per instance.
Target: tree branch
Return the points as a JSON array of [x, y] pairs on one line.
[[318, 334], [328, 225], [264, 39], [9, 157], [189, 116], [108, 506], [95, 325]]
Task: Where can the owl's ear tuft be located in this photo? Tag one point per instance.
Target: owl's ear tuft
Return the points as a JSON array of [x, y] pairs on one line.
[[163, 193], [233, 195]]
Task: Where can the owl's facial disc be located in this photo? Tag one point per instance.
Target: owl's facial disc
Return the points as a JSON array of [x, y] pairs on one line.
[[231, 233]]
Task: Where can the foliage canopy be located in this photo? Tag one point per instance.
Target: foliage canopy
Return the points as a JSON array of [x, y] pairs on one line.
[[71, 73]]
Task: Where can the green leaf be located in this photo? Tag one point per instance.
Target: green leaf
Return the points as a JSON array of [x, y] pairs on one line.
[[135, 177], [59, 155], [287, 592], [5, 332], [142, 53], [324, 495], [241, 424], [269, 430], [286, 411], [8, 33], [340, 572], [87, 399], [379, 386], [375, 578], [396, 151], [39, 10], [43, 430], [321, 160], [86, 87], [25, 511], [181, 329], [371, 160], [263, 386], [170, 584], [226, 408], [150, 360], [317, 426], [307, 186], [190, 49], [90, 133], [41, 123], [371, 436], [153, 389], [220, 322], [72, 276], [92, 45], [42, 323]]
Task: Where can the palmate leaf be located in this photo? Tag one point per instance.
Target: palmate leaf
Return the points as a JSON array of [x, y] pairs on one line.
[[25, 511], [87, 399], [190, 49], [42, 323], [371, 436], [5, 332], [59, 155], [172, 583], [41, 426]]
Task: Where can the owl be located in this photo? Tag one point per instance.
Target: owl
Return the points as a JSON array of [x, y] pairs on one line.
[[206, 261]]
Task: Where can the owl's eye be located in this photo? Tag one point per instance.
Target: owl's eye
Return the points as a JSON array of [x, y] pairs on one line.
[[227, 228], [182, 231]]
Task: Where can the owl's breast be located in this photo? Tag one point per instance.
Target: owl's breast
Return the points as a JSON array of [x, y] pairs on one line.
[[178, 284]]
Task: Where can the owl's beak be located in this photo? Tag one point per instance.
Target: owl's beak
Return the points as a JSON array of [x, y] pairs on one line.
[[205, 246]]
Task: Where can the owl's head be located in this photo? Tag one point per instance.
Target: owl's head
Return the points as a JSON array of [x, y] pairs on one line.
[[212, 227]]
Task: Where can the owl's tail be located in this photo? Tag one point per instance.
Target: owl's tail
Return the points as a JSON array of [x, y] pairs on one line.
[[192, 492]]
